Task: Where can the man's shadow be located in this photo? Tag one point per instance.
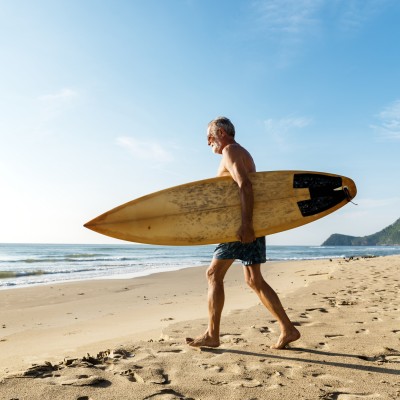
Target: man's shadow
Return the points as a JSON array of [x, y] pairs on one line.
[[350, 365]]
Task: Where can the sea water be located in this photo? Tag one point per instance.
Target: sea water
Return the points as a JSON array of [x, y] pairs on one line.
[[37, 264]]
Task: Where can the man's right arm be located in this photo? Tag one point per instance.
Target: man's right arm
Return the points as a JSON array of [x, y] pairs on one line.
[[233, 158]]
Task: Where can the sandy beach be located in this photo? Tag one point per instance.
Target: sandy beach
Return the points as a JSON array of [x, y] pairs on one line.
[[124, 339]]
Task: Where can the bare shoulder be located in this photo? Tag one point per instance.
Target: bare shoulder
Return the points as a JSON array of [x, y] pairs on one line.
[[235, 151], [234, 148], [236, 154]]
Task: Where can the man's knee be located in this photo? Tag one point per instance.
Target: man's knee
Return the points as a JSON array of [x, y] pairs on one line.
[[254, 281], [214, 274], [211, 274]]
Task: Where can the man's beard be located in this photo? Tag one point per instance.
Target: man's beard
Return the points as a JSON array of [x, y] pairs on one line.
[[216, 148]]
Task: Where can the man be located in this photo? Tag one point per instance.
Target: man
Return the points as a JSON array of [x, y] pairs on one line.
[[238, 163]]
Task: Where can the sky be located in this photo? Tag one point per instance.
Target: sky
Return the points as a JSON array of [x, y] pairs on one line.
[[105, 101]]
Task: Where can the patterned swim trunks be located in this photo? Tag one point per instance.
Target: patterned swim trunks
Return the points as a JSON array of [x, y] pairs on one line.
[[248, 253]]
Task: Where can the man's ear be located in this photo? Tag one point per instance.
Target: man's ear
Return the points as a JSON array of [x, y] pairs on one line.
[[222, 132]]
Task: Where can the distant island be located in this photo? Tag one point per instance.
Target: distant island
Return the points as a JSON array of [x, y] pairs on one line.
[[389, 236]]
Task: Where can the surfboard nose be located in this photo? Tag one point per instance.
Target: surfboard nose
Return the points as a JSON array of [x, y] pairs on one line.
[[89, 224]]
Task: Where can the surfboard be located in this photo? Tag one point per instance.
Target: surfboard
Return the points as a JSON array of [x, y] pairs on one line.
[[208, 211]]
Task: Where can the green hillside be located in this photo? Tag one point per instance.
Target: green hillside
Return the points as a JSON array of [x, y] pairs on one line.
[[388, 236]]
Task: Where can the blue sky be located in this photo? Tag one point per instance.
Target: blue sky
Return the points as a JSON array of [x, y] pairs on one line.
[[105, 101]]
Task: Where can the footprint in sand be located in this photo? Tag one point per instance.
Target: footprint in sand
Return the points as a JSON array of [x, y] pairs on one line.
[[150, 375], [230, 335], [315, 323], [169, 351], [390, 357], [234, 338], [245, 383], [255, 366], [213, 368], [129, 373], [167, 394], [320, 309], [320, 375], [265, 330], [83, 380], [236, 368], [40, 370], [349, 396], [331, 380], [321, 346], [333, 336], [215, 382]]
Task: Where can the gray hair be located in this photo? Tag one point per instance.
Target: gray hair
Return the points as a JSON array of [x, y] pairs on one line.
[[224, 123]]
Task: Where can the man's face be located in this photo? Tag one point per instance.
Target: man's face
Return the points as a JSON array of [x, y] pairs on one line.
[[214, 140]]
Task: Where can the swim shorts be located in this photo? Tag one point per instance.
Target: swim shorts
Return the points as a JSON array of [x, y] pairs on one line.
[[248, 253]]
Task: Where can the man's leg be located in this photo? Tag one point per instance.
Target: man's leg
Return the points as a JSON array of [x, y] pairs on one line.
[[216, 298], [271, 301]]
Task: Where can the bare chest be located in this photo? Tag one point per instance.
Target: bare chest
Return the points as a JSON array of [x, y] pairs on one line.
[[222, 170]]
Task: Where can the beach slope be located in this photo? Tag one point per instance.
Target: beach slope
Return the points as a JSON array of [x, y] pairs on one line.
[[125, 339]]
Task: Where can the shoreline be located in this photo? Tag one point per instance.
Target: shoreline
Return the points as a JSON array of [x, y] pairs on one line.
[[31, 265], [345, 309], [106, 277]]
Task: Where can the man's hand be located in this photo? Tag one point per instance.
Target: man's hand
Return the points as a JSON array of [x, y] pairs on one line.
[[245, 234]]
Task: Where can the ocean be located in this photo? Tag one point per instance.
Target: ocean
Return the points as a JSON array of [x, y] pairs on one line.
[[38, 264]]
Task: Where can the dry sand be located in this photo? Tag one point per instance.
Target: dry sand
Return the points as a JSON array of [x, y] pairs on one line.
[[134, 330]]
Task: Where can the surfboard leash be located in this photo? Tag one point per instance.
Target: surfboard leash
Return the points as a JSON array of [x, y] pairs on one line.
[[348, 195]]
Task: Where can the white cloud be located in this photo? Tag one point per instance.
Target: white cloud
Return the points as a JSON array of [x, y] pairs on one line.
[[291, 21], [63, 94], [287, 16], [285, 124], [353, 14], [279, 130], [287, 23], [54, 104], [291, 25], [148, 150], [372, 204], [389, 125]]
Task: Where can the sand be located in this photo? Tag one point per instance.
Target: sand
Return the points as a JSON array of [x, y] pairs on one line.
[[124, 339]]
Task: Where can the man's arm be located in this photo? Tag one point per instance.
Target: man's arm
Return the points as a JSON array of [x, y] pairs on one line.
[[234, 163]]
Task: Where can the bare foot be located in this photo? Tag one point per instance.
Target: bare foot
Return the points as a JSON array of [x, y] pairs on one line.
[[203, 341], [286, 338]]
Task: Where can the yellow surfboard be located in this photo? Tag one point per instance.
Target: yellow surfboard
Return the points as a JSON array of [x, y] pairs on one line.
[[208, 211]]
